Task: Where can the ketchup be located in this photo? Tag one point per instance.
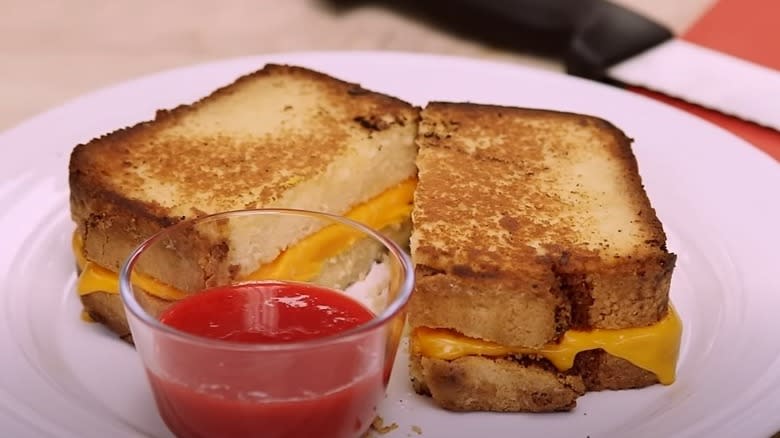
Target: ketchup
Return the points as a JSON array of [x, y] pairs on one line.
[[241, 312], [326, 391]]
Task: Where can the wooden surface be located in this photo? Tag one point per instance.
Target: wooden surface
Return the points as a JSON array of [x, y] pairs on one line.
[[52, 51]]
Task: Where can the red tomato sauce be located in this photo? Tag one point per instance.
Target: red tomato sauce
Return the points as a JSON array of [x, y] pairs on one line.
[[321, 392]]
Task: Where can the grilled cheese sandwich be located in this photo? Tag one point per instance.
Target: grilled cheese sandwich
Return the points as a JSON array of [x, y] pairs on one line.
[[281, 137], [542, 271]]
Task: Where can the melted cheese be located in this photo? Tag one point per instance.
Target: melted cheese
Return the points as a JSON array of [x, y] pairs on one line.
[[654, 348], [302, 261], [96, 278]]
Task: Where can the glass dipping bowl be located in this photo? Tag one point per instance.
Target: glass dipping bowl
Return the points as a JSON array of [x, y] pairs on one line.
[[324, 387]]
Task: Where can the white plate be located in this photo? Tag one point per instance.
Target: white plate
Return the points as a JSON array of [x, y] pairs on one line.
[[716, 195]]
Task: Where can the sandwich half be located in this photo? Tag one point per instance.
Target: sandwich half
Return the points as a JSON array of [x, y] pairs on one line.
[[542, 268], [284, 137]]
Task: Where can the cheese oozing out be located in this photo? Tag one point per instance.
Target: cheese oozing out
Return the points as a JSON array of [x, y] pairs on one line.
[[297, 262], [654, 348]]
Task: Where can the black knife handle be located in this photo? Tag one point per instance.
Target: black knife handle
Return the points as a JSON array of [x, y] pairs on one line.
[[599, 33]]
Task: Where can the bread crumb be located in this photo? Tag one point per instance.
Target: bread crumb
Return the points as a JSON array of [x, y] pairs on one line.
[[417, 430], [378, 426]]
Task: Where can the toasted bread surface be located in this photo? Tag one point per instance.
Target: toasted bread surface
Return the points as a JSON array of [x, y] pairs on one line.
[[520, 209], [280, 137], [509, 384], [474, 383]]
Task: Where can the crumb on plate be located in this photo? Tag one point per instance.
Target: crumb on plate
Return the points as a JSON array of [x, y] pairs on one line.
[[378, 426]]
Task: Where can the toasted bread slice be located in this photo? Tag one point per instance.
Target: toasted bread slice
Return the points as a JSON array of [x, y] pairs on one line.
[[512, 384], [529, 223], [280, 137]]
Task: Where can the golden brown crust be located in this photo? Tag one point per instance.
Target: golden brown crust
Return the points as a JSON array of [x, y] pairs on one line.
[[107, 309], [110, 234], [508, 311], [511, 195], [602, 371], [476, 383], [536, 309]]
